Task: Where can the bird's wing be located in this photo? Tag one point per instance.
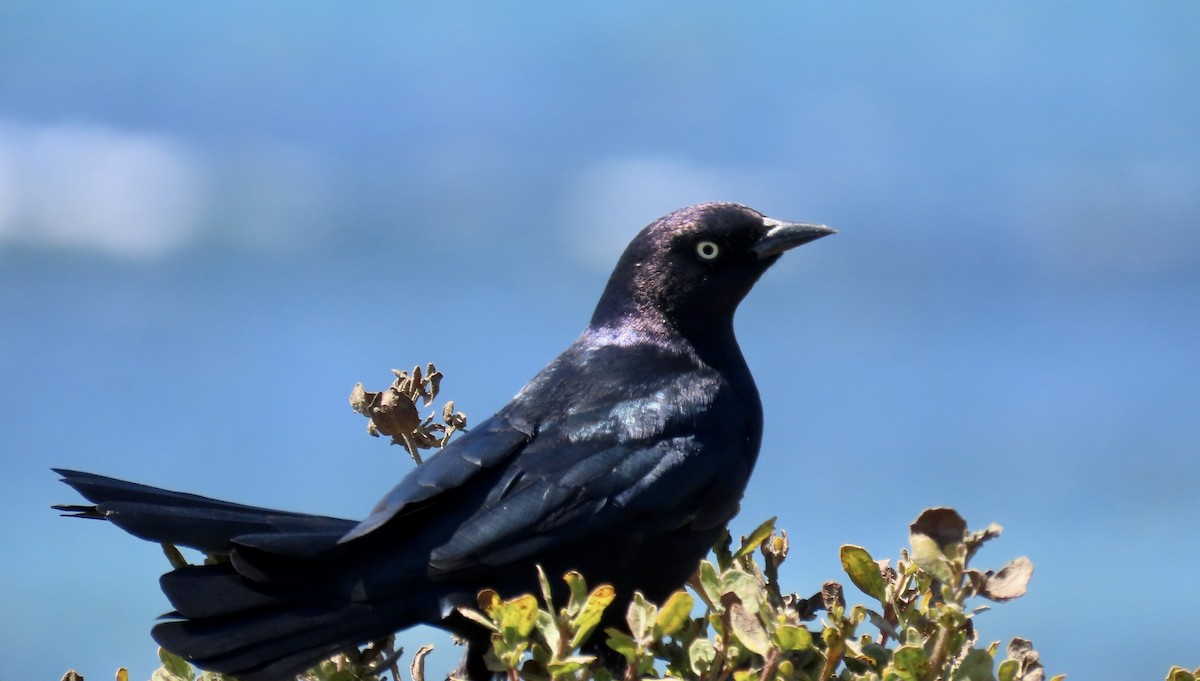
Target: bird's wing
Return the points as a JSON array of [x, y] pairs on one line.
[[644, 489], [611, 441], [636, 459], [483, 447]]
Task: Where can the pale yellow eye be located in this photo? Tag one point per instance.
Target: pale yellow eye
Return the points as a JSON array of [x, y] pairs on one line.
[[707, 250]]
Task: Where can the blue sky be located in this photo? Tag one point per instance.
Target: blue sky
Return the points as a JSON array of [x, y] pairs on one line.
[[215, 219]]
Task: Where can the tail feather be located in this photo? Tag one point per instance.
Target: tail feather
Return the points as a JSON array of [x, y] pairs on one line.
[[277, 636], [233, 643], [208, 591], [283, 601], [170, 517]]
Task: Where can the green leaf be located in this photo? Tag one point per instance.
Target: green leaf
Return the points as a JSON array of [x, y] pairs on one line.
[[478, 618], [748, 630], [863, 571], [878, 655], [757, 537], [929, 557], [640, 616], [578, 587], [710, 583], [882, 624], [510, 653], [743, 585], [519, 615], [622, 643], [175, 665], [547, 626], [789, 637], [570, 664], [909, 663], [1008, 670], [544, 583], [1178, 673], [674, 615], [700, 656], [976, 666], [589, 616]]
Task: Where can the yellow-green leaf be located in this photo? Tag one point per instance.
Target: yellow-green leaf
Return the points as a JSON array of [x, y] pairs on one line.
[[517, 617], [792, 637], [863, 571], [674, 615], [622, 643], [758, 536], [589, 616], [578, 587], [176, 666]]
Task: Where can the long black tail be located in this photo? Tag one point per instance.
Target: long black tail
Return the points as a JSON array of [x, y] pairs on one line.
[[278, 615], [233, 626], [168, 517]]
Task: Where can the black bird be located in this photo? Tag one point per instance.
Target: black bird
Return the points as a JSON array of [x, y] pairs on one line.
[[623, 459]]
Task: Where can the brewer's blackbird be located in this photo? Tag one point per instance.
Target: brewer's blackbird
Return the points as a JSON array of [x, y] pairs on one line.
[[623, 459]]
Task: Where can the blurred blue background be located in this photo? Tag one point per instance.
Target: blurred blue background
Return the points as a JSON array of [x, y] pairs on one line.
[[215, 218]]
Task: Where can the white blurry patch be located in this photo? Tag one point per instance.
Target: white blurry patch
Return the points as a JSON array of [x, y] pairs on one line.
[[1087, 220], [609, 202], [131, 195]]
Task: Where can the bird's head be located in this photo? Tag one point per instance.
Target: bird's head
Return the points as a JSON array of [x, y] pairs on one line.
[[689, 270]]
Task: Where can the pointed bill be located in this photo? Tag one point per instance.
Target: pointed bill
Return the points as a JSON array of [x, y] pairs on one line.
[[782, 236]]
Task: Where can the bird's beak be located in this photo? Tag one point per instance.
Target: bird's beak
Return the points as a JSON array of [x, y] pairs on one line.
[[782, 236]]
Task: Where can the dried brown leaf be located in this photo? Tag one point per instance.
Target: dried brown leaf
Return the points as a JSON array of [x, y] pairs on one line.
[[1010, 582]]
